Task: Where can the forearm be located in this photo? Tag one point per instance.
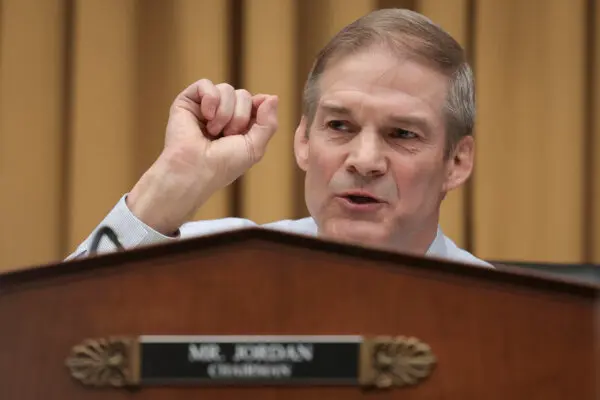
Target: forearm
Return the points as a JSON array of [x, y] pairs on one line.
[[165, 184]]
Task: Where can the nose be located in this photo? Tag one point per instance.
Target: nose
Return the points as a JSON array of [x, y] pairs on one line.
[[366, 156]]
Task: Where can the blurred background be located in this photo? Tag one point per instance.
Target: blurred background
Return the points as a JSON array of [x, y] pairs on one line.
[[85, 88]]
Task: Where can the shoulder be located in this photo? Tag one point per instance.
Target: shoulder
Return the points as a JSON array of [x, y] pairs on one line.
[[305, 226], [206, 227], [455, 253]]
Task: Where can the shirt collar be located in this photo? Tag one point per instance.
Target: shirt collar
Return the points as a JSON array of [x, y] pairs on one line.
[[438, 246]]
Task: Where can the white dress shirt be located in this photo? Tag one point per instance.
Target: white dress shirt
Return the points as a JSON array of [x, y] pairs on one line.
[[133, 233]]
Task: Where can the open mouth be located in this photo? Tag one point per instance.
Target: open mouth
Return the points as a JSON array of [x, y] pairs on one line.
[[361, 199]]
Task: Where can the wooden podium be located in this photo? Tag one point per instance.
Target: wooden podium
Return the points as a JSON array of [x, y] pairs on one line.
[[256, 314]]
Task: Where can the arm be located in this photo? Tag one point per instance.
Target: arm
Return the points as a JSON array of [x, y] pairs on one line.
[[130, 230], [213, 136]]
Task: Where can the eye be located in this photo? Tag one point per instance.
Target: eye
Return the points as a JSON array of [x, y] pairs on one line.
[[340, 126], [400, 133]]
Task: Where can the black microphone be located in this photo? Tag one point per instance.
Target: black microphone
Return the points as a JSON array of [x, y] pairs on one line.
[[101, 233]]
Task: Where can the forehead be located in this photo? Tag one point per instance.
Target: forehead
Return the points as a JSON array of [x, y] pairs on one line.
[[379, 81]]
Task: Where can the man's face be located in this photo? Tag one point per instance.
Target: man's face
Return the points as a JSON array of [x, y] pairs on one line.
[[374, 156]]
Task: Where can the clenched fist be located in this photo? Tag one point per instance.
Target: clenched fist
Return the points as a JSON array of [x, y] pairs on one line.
[[214, 135]]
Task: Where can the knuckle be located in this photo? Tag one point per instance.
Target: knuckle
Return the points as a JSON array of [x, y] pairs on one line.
[[204, 82], [206, 86], [225, 87], [243, 93]]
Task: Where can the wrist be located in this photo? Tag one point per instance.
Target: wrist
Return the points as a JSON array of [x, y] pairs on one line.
[[167, 196]]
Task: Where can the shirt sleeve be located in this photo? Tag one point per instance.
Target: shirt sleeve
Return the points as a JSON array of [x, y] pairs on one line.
[[130, 231]]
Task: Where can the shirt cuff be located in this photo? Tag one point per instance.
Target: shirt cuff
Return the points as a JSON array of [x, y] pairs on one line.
[[130, 231]]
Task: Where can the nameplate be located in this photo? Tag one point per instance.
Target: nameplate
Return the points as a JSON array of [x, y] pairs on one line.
[[380, 362]]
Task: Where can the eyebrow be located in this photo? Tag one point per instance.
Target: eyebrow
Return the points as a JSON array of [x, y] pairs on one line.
[[411, 120], [335, 109]]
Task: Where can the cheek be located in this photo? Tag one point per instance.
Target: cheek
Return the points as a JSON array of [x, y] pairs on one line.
[[322, 165], [418, 182]]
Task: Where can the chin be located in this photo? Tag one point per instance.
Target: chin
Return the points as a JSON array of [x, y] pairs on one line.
[[365, 233]]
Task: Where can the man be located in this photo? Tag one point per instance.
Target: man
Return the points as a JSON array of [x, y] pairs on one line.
[[386, 132]]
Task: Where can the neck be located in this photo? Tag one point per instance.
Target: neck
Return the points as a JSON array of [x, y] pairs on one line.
[[406, 239], [414, 241]]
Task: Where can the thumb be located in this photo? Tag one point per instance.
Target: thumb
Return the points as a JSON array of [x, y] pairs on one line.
[[265, 126]]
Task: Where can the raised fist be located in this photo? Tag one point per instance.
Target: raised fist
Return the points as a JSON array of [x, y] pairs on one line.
[[214, 135], [219, 129]]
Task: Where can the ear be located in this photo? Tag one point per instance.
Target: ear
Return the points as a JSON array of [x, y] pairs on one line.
[[301, 144], [460, 163]]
